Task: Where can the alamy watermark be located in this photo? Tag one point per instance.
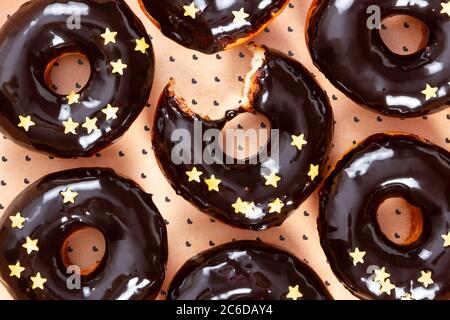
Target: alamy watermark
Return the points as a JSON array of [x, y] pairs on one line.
[[73, 281], [207, 147], [374, 20], [73, 10]]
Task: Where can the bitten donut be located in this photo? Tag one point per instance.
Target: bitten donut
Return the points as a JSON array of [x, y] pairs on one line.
[[356, 60], [211, 26], [362, 257], [261, 192], [246, 270], [34, 231], [79, 124]]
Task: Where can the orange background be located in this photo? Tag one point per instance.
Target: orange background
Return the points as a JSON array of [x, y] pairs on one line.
[[216, 89]]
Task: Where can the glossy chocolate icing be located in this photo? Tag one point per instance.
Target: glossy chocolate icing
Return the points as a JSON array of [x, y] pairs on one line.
[[355, 59], [382, 167], [37, 33], [245, 270], [294, 103], [136, 240], [213, 28]]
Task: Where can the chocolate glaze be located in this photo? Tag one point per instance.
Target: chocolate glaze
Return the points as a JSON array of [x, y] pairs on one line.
[[136, 240], [245, 270], [38, 33], [213, 29], [294, 103], [355, 59], [382, 167]]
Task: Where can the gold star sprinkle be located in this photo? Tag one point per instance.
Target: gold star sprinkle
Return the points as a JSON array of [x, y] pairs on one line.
[[25, 123], [110, 112], [313, 171], [31, 245], [109, 36], [429, 92], [17, 221], [16, 270], [244, 207], [272, 179], [276, 206], [213, 183], [190, 10], [249, 209], [386, 287], [299, 141], [73, 98], [357, 256], [69, 196], [70, 126], [141, 45], [445, 8], [381, 275], [406, 296], [38, 281], [118, 66], [90, 124], [294, 293], [240, 206], [446, 238], [194, 175], [425, 278], [240, 16]]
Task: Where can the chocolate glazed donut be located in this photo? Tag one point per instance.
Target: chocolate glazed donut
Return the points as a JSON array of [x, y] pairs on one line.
[[211, 26], [37, 223], [122, 63], [261, 192], [355, 59], [246, 270], [361, 256]]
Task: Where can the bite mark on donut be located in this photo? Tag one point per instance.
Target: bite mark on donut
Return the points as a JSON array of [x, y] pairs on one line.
[[249, 91]]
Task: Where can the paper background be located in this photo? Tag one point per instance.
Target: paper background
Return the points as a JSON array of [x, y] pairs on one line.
[[189, 230]]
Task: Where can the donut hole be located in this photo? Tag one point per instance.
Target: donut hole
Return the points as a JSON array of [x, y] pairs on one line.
[[245, 136], [404, 34], [84, 248], [399, 221], [67, 73]]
